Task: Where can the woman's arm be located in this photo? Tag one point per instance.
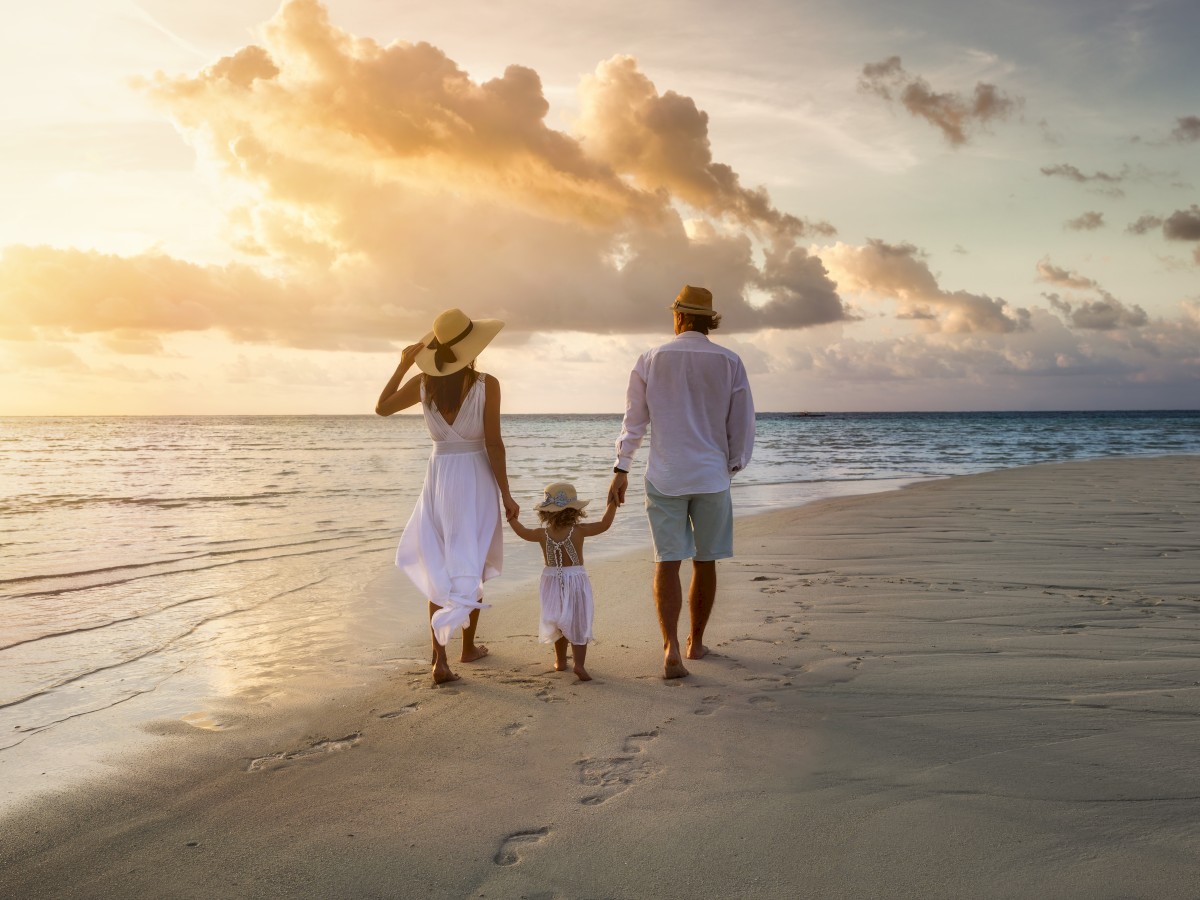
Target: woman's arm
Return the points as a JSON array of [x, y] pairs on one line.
[[590, 529], [394, 398], [495, 445]]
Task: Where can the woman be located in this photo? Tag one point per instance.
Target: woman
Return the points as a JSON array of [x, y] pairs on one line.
[[453, 541]]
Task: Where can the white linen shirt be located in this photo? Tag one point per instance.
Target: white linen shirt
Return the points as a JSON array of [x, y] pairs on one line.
[[695, 397]]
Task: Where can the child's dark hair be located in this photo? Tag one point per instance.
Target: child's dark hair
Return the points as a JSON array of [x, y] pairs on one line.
[[561, 518]]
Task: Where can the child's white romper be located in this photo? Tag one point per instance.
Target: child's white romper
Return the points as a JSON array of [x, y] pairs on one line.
[[566, 595]]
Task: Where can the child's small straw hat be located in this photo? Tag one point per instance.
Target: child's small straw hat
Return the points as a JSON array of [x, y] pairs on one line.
[[559, 496]]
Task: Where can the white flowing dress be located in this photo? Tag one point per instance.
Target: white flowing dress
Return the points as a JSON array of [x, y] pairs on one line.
[[453, 541]]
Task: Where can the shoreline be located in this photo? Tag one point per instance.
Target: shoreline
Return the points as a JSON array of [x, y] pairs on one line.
[[912, 692]]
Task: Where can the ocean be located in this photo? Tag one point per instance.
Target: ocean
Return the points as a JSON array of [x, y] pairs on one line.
[[154, 568]]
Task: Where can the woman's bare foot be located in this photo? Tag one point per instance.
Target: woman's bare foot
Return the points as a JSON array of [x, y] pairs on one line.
[[581, 674], [442, 674], [696, 651], [470, 654]]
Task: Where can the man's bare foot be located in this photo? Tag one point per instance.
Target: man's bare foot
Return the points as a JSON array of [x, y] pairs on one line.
[[673, 668], [479, 651], [697, 651], [443, 674], [581, 674]]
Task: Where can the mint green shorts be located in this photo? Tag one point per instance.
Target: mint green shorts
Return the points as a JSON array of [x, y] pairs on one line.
[[694, 526]]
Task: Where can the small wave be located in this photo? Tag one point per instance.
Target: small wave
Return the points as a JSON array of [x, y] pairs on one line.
[[32, 504], [171, 566]]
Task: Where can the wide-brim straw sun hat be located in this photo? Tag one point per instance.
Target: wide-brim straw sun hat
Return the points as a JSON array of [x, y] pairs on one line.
[[695, 301], [561, 495], [455, 342]]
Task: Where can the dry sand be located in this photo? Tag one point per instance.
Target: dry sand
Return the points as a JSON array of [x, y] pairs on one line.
[[986, 686]]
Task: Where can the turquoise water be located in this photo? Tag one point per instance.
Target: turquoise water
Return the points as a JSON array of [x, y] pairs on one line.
[[149, 563]]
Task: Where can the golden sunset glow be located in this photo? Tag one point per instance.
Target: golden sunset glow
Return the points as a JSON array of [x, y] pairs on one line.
[[250, 207]]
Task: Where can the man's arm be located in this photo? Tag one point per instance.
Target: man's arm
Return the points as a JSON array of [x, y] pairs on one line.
[[739, 424], [633, 430]]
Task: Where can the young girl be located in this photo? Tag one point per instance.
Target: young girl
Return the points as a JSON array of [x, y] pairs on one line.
[[566, 591]]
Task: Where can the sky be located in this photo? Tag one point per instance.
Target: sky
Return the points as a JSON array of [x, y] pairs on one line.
[[250, 207]]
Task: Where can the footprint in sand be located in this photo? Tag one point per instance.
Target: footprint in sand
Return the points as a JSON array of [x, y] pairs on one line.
[[637, 743], [287, 757], [761, 702], [709, 705], [512, 728], [614, 775], [402, 711], [507, 854], [771, 678], [203, 720]]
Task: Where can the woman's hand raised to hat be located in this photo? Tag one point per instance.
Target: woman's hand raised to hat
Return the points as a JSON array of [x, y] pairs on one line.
[[409, 354]]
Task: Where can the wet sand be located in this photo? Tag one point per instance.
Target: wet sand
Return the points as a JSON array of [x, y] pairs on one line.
[[985, 686]]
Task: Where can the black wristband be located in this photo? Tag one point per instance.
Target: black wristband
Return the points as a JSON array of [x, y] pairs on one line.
[[619, 469]]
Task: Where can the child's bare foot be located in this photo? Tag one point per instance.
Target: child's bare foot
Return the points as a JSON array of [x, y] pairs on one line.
[[560, 655], [581, 674], [696, 650], [470, 654], [442, 674]]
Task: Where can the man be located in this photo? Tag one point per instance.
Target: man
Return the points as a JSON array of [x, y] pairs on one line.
[[695, 398]]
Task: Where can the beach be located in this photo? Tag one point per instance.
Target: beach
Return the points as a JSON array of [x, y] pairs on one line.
[[985, 685]]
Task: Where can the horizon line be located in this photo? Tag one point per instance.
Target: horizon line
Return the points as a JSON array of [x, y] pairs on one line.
[[795, 413]]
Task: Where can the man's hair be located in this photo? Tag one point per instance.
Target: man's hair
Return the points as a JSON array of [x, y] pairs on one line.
[[561, 518], [702, 324]]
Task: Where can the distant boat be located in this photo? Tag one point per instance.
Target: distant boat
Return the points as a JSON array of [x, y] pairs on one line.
[[803, 415]]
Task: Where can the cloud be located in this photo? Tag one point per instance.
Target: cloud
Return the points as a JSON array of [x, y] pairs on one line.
[[1088, 221], [40, 355], [1183, 224], [951, 113], [1187, 130], [661, 142], [1101, 182], [1036, 364], [1144, 224], [54, 293], [1048, 272], [369, 187], [900, 273], [1104, 312]]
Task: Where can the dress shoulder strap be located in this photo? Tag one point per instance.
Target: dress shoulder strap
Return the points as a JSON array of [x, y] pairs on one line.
[[554, 549]]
